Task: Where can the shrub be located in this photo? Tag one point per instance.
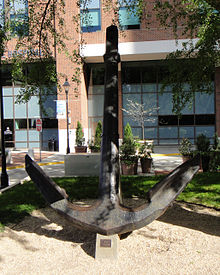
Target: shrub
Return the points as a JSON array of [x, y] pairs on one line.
[[95, 145], [145, 150], [128, 147], [128, 135], [98, 135], [202, 143], [185, 148], [79, 135]]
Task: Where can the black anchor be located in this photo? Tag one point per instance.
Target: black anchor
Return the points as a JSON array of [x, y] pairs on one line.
[[108, 216]]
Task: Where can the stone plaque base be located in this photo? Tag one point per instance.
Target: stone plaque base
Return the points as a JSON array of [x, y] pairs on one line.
[[106, 247]]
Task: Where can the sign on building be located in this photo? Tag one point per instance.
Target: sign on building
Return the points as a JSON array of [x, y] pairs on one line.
[[61, 109]]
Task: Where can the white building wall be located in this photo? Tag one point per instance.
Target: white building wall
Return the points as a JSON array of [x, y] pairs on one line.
[[134, 51], [72, 138]]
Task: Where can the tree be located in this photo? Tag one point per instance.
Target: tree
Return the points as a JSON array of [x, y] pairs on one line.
[[36, 28], [140, 113], [195, 64]]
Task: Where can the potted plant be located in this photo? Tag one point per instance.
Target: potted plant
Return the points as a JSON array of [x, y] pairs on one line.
[[185, 149], [128, 157], [95, 145], [80, 140], [214, 163], [203, 147], [146, 160]]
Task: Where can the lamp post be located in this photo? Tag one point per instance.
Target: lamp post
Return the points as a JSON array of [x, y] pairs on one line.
[[66, 86], [4, 175]]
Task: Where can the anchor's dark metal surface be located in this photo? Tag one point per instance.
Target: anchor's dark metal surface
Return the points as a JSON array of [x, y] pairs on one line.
[[108, 216]]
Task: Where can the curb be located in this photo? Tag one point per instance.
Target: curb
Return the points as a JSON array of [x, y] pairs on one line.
[[40, 164], [165, 155]]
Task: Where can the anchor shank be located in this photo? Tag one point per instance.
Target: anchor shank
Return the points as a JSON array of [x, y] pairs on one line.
[[109, 175]]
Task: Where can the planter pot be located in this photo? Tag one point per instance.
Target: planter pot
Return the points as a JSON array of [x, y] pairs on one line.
[[146, 165], [129, 169], [80, 149], [95, 151]]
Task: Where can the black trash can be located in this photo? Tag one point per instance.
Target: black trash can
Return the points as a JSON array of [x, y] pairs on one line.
[[50, 145]]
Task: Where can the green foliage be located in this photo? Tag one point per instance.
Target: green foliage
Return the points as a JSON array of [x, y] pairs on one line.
[[195, 64], [95, 145], [98, 134], [128, 151], [145, 150], [128, 135], [79, 135], [3, 40], [202, 144], [216, 145], [128, 147], [38, 32], [214, 164], [185, 148]]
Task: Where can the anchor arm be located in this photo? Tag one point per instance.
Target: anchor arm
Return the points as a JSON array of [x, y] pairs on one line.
[[48, 188]]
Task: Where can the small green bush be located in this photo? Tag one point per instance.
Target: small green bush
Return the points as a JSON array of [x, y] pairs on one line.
[[185, 148], [202, 143], [128, 147], [95, 145], [128, 135], [79, 135]]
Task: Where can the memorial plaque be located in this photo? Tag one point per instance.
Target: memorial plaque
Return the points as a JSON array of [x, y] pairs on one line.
[[106, 247], [105, 243]]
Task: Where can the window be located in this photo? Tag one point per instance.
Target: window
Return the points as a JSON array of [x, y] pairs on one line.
[[90, 16], [141, 82], [128, 15], [19, 17], [20, 124], [95, 97]]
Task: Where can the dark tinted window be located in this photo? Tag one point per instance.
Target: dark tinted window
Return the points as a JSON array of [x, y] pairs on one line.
[[50, 123], [168, 120], [205, 119], [186, 120]]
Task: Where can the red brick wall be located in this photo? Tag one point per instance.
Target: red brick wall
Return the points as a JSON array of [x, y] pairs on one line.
[[78, 102]]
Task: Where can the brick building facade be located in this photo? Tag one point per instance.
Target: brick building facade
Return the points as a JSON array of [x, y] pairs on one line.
[[140, 73]]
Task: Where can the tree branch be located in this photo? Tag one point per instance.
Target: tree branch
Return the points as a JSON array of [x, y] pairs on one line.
[[42, 23]]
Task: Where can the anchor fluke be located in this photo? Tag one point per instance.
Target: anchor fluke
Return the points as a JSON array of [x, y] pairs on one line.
[[48, 188], [107, 218]]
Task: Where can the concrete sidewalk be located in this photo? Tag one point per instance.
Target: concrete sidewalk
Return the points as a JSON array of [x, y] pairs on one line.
[[53, 164]]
